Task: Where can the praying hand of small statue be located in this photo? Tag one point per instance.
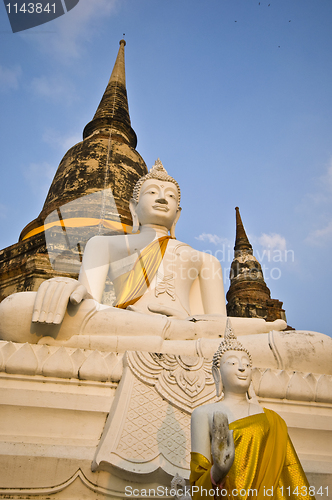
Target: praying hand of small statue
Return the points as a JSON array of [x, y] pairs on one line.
[[222, 447]]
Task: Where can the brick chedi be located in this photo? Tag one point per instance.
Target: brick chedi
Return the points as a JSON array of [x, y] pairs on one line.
[[248, 295], [89, 195]]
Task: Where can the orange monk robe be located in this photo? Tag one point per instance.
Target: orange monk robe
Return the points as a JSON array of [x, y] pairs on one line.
[[132, 285], [265, 463]]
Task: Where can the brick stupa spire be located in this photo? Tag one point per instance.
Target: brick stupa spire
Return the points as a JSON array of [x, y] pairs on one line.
[[113, 111], [241, 238], [248, 295], [105, 159], [89, 195]]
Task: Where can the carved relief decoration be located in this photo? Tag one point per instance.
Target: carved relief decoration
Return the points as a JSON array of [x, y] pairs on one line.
[[185, 381], [154, 428], [149, 423]]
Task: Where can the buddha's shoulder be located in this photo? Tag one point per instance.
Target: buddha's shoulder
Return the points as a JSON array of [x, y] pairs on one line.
[[208, 410], [113, 243], [185, 247], [182, 247]]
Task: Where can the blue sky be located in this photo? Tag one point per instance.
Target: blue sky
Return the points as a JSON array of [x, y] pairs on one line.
[[235, 98]]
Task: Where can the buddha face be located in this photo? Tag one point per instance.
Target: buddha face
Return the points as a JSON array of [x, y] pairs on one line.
[[235, 371], [158, 203]]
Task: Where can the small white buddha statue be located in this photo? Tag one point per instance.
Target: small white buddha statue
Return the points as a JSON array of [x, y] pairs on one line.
[[239, 449]]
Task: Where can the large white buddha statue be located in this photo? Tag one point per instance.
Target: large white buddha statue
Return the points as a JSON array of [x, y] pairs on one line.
[[165, 290]]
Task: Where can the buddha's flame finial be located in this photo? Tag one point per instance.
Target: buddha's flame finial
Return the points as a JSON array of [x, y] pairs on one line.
[[229, 334], [158, 167], [228, 343], [158, 172]]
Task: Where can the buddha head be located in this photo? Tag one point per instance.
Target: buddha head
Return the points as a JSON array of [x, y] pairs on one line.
[[231, 364], [156, 200]]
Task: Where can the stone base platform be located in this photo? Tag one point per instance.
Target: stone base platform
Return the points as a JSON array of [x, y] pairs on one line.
[[63, 412]]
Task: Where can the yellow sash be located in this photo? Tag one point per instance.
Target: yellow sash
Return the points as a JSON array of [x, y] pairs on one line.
[[200, 468], [265, 463], [274, 455], [136, 282]]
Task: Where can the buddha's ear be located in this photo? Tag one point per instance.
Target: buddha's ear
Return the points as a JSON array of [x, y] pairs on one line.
[[217, 380], [132, 208], [177, 217]]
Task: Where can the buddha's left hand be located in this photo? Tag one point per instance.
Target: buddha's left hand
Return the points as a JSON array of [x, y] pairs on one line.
[[222, 447]]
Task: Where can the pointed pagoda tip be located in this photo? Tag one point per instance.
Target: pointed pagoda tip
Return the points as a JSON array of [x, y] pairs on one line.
[[119, 72], [241, 238], [112, 114]]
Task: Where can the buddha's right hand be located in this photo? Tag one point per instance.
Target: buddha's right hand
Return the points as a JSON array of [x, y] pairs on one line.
[[170, 312], [52, 299], [222, 447]]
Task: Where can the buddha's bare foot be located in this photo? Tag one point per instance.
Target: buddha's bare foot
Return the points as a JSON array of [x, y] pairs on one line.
[[222, 447]]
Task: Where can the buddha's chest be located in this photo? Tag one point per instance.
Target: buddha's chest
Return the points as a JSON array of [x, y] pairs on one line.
[[181, 263]]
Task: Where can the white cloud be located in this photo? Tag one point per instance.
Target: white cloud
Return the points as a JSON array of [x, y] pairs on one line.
[[213, 238], [54, 88], [74, 28], [320, 236], [272, 241], [9, 77], [57, 140]]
